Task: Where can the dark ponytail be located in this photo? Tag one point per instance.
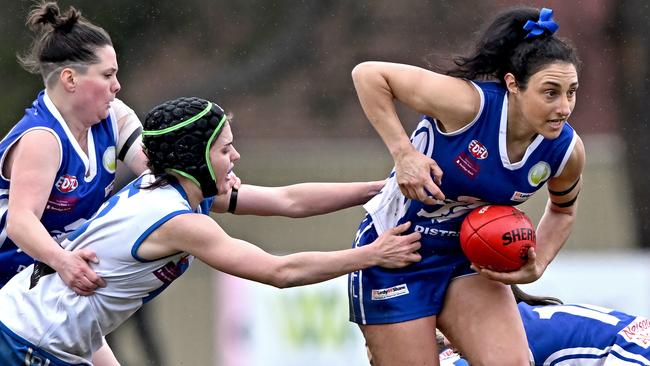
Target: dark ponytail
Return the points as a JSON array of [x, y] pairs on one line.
[[61, 39], [504, 48], [521, 296]]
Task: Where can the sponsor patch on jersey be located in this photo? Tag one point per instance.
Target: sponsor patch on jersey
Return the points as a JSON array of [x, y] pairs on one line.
[[108, 160], [637, 332], [168, 273], [61, 203], [109, 188], [389, 293], [450, 358], [478, 150], [539, 173], [449, 352], [521, 196], [66, 183], [467, 165]]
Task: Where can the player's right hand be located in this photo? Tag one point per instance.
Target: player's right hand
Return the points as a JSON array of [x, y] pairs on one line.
[[419, 177], [395, 250], [73, 267], [529, 272]]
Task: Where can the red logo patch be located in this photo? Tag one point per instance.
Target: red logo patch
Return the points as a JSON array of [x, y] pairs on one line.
[[67, 183], [478, 150]]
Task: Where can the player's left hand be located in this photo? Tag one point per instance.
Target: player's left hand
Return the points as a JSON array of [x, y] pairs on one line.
[[529, 272]]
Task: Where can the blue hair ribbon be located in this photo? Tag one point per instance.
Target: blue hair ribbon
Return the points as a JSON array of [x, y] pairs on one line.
[[545, 23]]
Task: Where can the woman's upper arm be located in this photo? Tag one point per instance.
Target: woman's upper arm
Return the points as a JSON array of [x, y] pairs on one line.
[[453, 101], [129, 140], [34, 161], [564, 189], [202, 237]]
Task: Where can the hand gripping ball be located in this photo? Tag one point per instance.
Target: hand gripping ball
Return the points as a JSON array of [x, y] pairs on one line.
[[497, 237]]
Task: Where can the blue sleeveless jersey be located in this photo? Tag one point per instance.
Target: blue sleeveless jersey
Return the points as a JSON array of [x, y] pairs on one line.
[[585, 335], [82, 182], [476, 171]]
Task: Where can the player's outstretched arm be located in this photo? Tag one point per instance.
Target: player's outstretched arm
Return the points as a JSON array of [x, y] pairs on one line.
[[298, 200], [202, 237]]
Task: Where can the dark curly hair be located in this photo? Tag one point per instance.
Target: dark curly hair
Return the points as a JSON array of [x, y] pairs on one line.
[[177, 137]]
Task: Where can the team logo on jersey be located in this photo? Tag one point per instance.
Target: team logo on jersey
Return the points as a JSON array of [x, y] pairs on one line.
[[108, 160], [66, 183], [539, 173], [389, 293], [450, 209], [478, 150]]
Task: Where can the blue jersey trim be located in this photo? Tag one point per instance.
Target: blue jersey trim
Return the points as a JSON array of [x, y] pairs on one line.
[[180, 189], [580, 357], [627, 359], [3, 221], [55, 361], [147, 232], [204, 206]]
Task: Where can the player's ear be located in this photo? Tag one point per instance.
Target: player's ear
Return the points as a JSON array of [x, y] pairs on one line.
[[67, 78], [511, 83]]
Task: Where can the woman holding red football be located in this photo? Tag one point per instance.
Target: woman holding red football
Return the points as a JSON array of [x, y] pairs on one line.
[[496, 126]]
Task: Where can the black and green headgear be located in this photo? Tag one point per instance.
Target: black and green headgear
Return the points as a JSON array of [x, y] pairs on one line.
[[177, 137]]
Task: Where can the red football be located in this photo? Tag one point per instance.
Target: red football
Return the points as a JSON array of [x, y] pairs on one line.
[[497, 237]]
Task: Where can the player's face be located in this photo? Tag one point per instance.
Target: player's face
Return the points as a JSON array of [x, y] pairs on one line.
[[224, 155], [96, 88], [549, 98]]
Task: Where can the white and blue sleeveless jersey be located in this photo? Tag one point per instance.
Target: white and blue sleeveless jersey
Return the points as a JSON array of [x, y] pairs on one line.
[[82, 182], [585, 335], [476, 171], [579, 335], [52, 318]]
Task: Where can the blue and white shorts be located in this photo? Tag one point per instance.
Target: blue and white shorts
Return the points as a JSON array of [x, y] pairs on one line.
[[382, 296], [16, 351]]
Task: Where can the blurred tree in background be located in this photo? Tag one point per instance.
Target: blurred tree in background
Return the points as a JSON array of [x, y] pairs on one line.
[[632, 29], [287, 62], [283, 67]]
